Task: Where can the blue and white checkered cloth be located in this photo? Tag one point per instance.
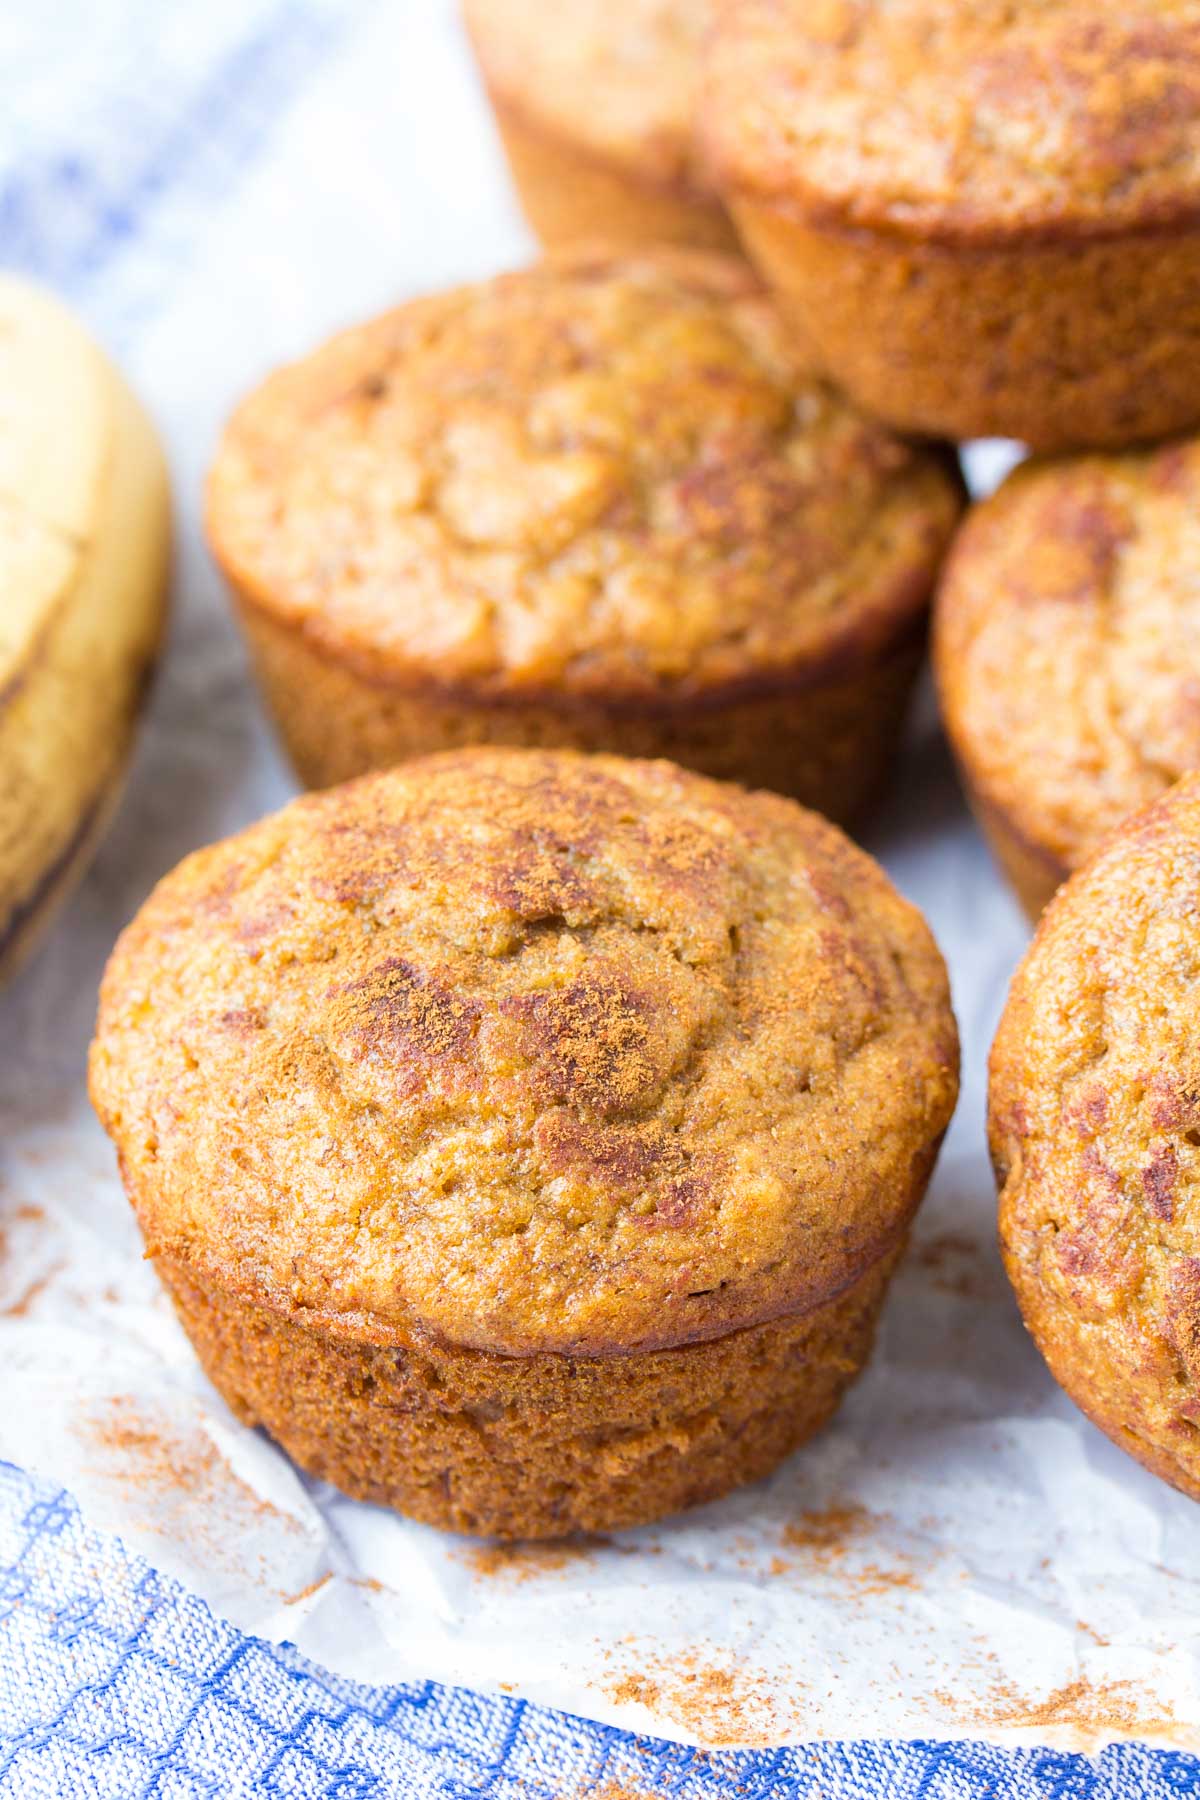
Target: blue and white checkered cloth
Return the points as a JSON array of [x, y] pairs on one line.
[[125, 125]]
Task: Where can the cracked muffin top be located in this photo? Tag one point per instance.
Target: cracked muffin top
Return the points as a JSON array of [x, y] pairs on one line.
[[528, 1051], [1095, 1128], [620, 78], [585, 478], [1065, 642], [964, 119]]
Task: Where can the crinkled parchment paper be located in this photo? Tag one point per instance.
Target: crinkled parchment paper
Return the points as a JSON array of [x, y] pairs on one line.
[[959, 1554]]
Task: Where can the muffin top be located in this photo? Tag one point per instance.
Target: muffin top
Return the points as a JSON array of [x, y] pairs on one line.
[[619, 78], [1065, 642], [587, 478], [1095, 1104], [962, 118], [527, 1051]]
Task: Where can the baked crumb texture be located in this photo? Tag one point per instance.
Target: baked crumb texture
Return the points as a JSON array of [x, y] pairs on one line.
[[986, 217], [527, 1138], [596, 104], [590, 504], [1095, 1134], [1066, 654]]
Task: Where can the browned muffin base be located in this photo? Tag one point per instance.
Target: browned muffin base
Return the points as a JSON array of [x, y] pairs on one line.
[[1034, 875], [1060, 344], [532, 1447], [569, 197], [830, 745]]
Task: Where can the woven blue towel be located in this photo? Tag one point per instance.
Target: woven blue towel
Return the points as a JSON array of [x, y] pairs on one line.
[[122, 128], [115, 1683]]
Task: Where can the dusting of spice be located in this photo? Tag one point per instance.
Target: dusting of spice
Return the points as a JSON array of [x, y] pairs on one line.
[[829, 1531], [1088, 1713], [1081, 1625], [521, 1562], [162, 1463], [22, 1305], [825, 1538], [722, 1706], [953, 1264], [306, 1593], [24, 1215]]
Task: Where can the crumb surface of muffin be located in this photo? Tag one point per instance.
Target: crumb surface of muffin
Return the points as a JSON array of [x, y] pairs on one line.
[[581, 481], [1095, 1133], [963, 122], [527, 1053], [1065, 645], [619, 78]]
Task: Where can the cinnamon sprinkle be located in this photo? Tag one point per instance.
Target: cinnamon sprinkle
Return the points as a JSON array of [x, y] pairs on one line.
[[21, 1306], [24, 1214], [160, 1461], [306, 1593], [721, 1706], [1098, 1712], [826, 1536], [827, 1533], [952, 1262], [520, 1563]]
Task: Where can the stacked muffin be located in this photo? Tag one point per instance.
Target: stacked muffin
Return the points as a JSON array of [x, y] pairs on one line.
[[597, 504], [526, 1131]]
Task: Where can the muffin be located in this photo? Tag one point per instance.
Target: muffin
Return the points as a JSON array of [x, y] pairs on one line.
[[1066, 652], [526, 1139], [596, 102], [986, 215], [85, 534], [1095, 1132], [592, 505]]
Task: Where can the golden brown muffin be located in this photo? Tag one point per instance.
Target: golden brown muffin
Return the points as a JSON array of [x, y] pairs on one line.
[[596, 102], [1066, 652], [525, 1138], [1095, 1132], [986, 214], [592, 505]]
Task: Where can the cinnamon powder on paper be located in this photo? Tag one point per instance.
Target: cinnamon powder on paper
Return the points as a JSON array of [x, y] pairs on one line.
[[20, 1307], [521, 1562], [826, 1535], [722, 1706], [154, 1460], [162, 1461], [307, 1592], [25, 1214], [1100, 1711], [1114, 1709], [952, 1262]]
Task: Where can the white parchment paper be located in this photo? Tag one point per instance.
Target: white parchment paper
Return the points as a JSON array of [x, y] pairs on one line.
[[959, 1555]]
